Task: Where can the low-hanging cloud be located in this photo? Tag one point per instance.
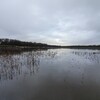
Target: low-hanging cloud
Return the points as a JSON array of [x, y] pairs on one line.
[[65, 22]]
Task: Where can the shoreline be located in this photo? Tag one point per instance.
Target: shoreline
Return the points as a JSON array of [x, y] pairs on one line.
[[19, 48]]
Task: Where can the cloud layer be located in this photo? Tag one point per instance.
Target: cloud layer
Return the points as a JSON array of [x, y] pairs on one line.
[[64, 22]]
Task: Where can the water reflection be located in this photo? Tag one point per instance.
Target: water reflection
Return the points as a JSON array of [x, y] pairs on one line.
[[50, 75], [93, 56], [14, 65]]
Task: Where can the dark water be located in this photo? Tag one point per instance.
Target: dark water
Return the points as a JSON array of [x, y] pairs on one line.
[[61, 74]]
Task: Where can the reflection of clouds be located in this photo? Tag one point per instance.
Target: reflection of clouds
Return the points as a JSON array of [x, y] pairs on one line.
[[92, 56], [12, 66], [69, 76]]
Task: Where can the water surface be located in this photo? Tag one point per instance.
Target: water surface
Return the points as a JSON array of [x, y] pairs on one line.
[[59, 74]]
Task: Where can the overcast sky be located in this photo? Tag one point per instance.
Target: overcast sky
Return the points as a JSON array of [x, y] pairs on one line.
[[64, 22]]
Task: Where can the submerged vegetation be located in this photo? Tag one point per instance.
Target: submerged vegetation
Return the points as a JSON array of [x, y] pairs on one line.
[[14, 64]]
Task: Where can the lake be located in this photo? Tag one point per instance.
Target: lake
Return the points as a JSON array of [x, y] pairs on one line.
[[53, 74]]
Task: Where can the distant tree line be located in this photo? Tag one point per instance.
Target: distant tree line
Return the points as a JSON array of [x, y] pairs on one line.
[[13, 42], [83, 47]]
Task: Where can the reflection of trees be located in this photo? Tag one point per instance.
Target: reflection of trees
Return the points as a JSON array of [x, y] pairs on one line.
[[92, 56], [27, 63]]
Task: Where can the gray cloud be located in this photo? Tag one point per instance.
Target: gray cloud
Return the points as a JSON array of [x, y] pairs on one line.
[[63, 22]]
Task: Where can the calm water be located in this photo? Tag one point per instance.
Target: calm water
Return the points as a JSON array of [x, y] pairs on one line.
[[61, 74]]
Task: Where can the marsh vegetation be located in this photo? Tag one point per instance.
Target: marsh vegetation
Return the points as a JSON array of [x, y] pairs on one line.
[[53, 74]]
